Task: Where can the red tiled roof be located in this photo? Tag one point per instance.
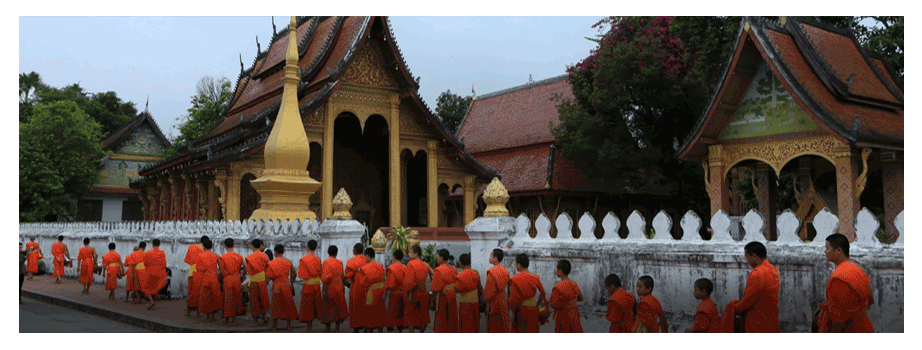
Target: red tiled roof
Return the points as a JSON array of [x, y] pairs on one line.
[[512, 119], [346, 37], [280, 45], [523, 169]]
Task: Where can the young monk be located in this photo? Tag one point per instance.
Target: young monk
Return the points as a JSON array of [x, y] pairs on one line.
[[140, 272], [494, 292], [256, 264], [467, 285], [87, 258], [524, 289], [34, 257], [209, 292], [848, 292], [129, 274], [192, 253], [356, 293], [621, 306], [416, 312], [707, 320], [564, 297], [759, 303], [282, 273], [397, 296], [650, 315], [231, 265], [112, 268], [155, 269], [59, 251], [334, 298], [310, 269], [370, 277], [443, 285]]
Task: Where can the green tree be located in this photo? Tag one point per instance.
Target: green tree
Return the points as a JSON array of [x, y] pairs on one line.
[[110, 111], [28, 86], [59, 154], [450, 110], [212, 97]]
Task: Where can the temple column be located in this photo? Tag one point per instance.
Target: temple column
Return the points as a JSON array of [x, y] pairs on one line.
[[326, 187], [153, 208], [848, 167], [470, 199], [232, 202], [220, 181], [165, 200], [892, 173], [717, 185], [432, 194], [187, 198], [766, 199], [394, 155]]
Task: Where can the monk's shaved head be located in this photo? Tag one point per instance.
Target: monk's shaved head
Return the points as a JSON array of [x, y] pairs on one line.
[[370, 252], [311, 244], [838, 241], [229, 242], [358, 248], [705, 285], [757, 249], [647, 281], [60, 238], [142, 244], [207, 244], [613, 280], [332, 250]]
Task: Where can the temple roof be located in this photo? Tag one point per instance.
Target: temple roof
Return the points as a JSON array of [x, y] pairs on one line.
[[124, 133], [850, 93]]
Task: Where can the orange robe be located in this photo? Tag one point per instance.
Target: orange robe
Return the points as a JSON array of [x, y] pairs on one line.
[[129, 273], [648, 312], [209, 292], [566, 316], [309, 270], [760, 300], [110, 262], [706, 317], [333, 291], [191, 258], [523, 302], [495, 294], [468, 301], [397, 296], [57, 251], [621, 306], [371, 279], [446, 310], [416, 312], [155, 268], [848, 294], [87, 264], [230, 264], [140, 270], [32, 264], [356, 292], [256, 264], [283, 302]]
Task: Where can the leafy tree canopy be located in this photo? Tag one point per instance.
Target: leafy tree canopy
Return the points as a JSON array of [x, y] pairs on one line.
[[212, 97], [110, 111], [450, 109]]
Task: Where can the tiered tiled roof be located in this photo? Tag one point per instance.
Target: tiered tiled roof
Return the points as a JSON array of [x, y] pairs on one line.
[[851, 93], [124, 132]]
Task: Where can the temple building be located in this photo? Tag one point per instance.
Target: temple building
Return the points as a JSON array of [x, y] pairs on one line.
[[803, 105], [369, 133], [137, 144]]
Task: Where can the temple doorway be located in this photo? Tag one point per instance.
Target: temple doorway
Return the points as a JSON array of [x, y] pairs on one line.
[[360, 165]]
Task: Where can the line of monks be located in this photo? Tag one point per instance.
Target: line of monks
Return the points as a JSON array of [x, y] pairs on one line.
[[397, 298]]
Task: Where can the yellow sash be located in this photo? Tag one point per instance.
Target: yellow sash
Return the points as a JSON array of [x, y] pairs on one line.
[[259, 277], [447, 287], [312, 281], [113, 264], [530, 301], [469, 297], [191, 270], [139, 266], [369, 298]]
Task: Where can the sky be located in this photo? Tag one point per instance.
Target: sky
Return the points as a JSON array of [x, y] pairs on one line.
[[164, 57]]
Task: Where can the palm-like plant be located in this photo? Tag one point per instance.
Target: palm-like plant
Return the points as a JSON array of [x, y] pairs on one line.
[[397, 239]]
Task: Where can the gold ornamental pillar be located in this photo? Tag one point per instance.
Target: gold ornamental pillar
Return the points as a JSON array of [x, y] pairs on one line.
[[470, 199], [394, 154], [220, 181], [716, 183], [326, 196], [847, 165], [285, 187], [892, 164], [432, 175]]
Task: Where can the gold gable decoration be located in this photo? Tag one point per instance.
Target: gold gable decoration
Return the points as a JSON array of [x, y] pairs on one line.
[[409, 123], [367, 68], [495, 196]]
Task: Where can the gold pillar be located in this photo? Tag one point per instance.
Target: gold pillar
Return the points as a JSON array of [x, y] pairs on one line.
[[212, 201], [716, 181], [326, 187], [432, 175], [232, 202], [165, 200], [220, 181], [394, 153], [153, 206], [847, 168], [892, 164], [470, 199]]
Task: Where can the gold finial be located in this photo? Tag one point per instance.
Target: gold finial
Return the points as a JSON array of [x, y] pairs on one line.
[[496, 197], [341, 205], [472, 92], [378, 241], [746, 25], [783, 20]]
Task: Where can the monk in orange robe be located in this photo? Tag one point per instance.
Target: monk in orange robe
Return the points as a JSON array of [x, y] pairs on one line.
[[397, 296], [443, 285], [621, 306], [707, 318], [87, 258], [282, 273], [209, 292], [848, 292], [310, 269], [256, 264], [759, 303], [524, 290], [334, 298], [371, 279], [564, 297], [155, 269], [467, 285], [129, 274], [140, 271], [650, 315], [112, 270], [231, 265], [192, 253], [34, 257], [494, 292], [416, 312], [59, 251], [356, 293]]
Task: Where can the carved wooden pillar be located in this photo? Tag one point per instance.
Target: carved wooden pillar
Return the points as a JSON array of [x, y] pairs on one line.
[[848, 167], [142, 195], [165, 200], [220, 181], [153, 205], [432, 184], [394, 155], [718, 187], [766, 196], [232, 202], [892, 174], [470, 199], [326, 187], [188, 198]]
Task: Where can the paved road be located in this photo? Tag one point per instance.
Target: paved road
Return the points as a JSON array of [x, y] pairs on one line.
[[39, 317]]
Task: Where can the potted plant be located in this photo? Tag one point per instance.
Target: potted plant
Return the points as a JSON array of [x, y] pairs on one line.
[[429, 255], [398, 238]]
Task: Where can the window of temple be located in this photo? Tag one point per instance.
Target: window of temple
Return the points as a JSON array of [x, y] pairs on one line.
[[249, 198]]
